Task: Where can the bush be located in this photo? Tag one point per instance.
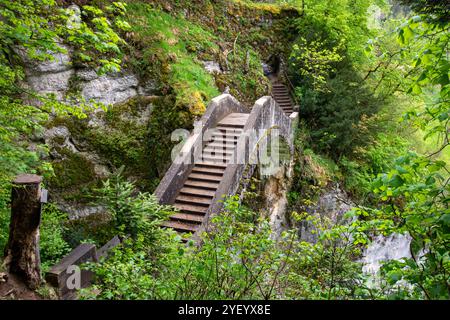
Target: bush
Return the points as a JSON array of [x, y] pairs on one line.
[[52, 244], [133, 213], [238, 259]]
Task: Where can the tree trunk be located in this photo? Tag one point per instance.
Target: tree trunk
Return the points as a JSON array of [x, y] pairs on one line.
[[22, 252]]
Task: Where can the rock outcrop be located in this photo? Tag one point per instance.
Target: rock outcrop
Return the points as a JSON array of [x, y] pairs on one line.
[[331, 206], [79, 161]]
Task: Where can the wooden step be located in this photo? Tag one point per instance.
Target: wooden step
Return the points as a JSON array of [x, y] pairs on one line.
[[223, 160], [229, 126], [210, 164], [226, 134], [217, 145], [186, 208], [217, 150], [198, 192], [210, 170], [180, 226], [225, 140], [215, 157], [198, 201], [235, 131], [280, 93], [187, 217], [204, 177], [283, 99], [207, 185]]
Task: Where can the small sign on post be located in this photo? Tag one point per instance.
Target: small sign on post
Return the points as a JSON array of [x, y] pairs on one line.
[[22, 256]]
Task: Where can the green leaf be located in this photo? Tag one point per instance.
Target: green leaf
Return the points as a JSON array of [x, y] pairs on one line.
[[430, 180], [396, 181]]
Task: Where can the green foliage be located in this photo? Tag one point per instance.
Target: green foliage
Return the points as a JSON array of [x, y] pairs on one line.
[[52, 243], [171, 42], [313, 61], [432, 68], [238, 259], [31, 31], [414, 199], [324, 65], [133, 213], [326, 269], [370, 161]]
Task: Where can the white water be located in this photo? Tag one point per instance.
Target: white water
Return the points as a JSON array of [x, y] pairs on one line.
[[395, 246]]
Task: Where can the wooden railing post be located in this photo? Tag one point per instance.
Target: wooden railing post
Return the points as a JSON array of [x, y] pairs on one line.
[[22, 256]]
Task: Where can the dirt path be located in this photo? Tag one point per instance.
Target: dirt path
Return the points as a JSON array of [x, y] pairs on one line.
[[12, 288]]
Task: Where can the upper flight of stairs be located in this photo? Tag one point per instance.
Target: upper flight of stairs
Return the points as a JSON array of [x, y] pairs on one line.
[[197, 193], [281, 95]]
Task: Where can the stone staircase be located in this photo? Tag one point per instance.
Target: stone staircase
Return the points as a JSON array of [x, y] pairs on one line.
[[213, 160], [201, 185], [281, 95]]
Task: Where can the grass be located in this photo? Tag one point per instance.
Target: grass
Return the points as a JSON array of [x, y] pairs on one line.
[[174, 44], [273, 7]]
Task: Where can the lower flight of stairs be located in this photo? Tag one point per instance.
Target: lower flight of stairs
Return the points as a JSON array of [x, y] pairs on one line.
[[197, 193]]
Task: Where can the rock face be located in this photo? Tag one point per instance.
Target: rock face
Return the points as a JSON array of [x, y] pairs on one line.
[[331, 205], [51, 76], [107, 89], [57, 76], [79, 162], [212, 66], [270, 199]]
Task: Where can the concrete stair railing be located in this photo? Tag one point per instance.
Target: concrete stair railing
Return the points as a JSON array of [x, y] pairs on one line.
[[266, 118], [181, 167], [189, 169]]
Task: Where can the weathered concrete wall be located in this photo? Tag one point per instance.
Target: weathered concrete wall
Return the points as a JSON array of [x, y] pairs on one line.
[[266, 115]]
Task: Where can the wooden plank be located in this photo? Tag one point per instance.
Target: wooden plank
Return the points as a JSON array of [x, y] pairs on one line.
[[198, 192], [234, 119], [58, 275], [206, 177], [191, 208], [228, 146], [217, 150], [210, 185], [198, 201], [216, 159], [210, 164], [210, 170], [225, 140], [179, 226], [102, 253], [186, 217]]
